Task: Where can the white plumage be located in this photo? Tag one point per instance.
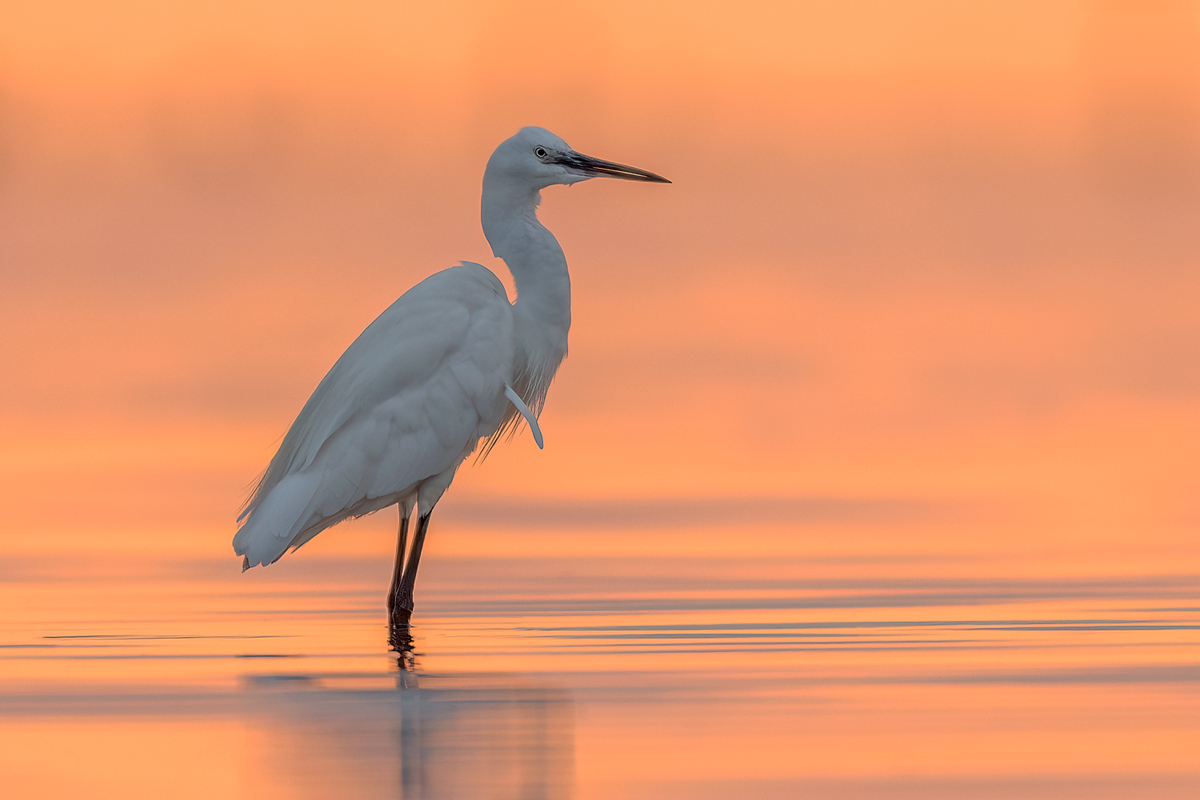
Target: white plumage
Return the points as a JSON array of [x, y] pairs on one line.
[[405, 403], [450, 363]]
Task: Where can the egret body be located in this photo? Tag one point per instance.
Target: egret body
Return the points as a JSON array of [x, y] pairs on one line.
[[448, 365]]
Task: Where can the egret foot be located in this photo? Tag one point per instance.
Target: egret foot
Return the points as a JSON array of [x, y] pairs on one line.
[[398, 602], [400, 640]]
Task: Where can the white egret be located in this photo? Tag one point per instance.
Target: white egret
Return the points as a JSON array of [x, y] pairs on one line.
[[451, 363]]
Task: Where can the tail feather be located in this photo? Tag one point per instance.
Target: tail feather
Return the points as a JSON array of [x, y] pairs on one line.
[[270, 528]]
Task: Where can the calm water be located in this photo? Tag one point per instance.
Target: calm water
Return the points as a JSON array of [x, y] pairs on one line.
[[634, 677]]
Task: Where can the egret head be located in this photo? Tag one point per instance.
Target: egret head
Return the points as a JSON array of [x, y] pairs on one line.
[[535, 158]]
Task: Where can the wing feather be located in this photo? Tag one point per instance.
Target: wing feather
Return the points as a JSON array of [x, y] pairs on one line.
[[409, 399]]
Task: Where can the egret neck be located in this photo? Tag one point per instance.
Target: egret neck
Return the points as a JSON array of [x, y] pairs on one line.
[[542, 310]]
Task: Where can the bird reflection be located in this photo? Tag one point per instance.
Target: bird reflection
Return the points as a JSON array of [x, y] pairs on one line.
[[484, 736], [420, 736]]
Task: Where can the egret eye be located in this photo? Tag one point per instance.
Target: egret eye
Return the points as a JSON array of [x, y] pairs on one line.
[[540, 152]]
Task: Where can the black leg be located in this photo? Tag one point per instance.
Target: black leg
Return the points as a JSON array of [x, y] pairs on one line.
[[398, 570], [400, 598], [404, 594]]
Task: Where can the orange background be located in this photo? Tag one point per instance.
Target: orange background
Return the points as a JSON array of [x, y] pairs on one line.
[[935, 252]]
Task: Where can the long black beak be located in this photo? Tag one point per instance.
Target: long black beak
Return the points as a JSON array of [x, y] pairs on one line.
[[598, 168]]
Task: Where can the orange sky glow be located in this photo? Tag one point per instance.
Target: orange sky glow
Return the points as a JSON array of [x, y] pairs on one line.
[[935, 251]]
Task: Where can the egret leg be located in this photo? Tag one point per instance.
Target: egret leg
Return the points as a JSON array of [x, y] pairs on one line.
[[402, 599], [398, 570]]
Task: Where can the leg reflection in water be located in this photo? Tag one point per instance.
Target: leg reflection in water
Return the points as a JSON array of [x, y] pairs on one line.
[[484, 736], [414, 735], [475, 735]]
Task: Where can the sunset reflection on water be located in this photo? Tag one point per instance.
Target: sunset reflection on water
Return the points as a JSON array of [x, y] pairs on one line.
[[590, 677]]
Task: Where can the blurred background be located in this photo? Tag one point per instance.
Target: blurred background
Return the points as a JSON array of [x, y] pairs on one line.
[[922, 261]]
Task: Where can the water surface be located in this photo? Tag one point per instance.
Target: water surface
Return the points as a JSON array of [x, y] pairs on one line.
[[623, 676]]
